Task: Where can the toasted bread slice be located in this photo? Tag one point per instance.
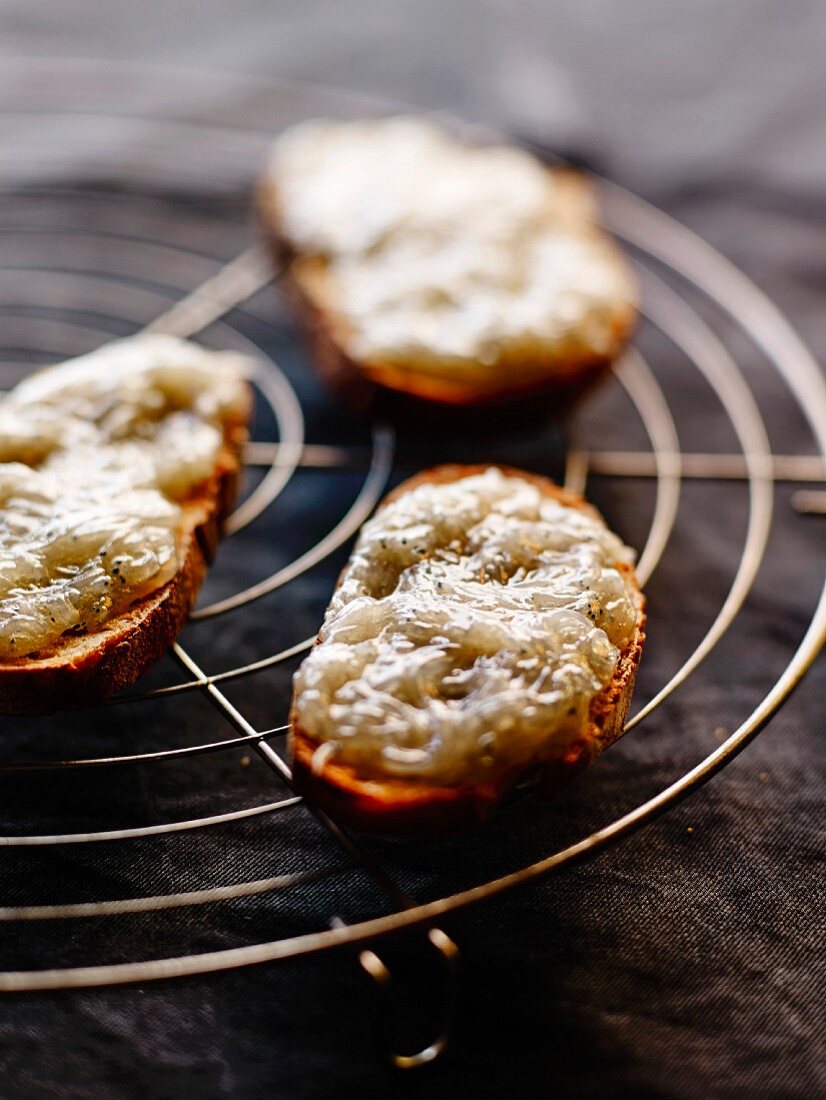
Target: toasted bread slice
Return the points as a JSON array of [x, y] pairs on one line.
[[411, 399], [408, 371], [381, 804], [80, 669]]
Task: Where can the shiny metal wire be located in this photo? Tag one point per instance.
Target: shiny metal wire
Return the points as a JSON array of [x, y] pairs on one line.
[[642, 387], [657, 236], [713, 361], [76, 910]]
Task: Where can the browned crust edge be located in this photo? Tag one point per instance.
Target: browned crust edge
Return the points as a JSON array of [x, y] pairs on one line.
[[90, 668], [399, 807], [377, 389]]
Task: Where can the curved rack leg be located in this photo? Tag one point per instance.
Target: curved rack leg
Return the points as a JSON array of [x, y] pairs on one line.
[[449, 957]]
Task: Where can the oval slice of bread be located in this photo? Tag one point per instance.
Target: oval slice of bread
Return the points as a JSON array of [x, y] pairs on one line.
[[82, 669], [381, 804], [523, 368]]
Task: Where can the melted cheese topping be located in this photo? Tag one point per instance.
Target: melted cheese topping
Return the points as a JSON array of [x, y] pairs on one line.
[[474, 624], [447, 254], [95, 455]]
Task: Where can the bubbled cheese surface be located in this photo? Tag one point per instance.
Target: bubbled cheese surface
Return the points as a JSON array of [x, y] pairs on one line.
[[96, 455], [444, 254], [473, 626]]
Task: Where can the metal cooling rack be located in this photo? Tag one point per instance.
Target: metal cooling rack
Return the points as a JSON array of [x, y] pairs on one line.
[[684, 282]]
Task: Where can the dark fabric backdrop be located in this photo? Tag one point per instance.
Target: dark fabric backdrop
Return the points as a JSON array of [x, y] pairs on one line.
[[687, 962]]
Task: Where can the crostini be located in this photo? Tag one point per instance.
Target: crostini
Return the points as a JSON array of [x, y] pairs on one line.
[[487, 624], [441, 272], [116, 471]]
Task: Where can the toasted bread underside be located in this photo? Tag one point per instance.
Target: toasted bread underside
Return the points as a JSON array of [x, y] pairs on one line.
[[403, 807], [533, 390], [83, 669]]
